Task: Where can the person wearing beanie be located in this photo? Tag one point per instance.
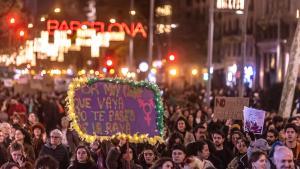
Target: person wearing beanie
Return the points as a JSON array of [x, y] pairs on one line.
[[178, 155]]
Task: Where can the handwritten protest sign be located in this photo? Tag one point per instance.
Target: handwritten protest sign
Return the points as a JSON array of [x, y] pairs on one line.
[[230, 107], [105, 108], [254, 120]]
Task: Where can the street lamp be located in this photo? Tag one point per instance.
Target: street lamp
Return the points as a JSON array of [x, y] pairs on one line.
[[112, 20], [43, 19], [30, 25], [57, 10], [132, 12]]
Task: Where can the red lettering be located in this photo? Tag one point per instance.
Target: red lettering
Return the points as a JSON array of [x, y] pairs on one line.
[[74, 25], [126, 28], [88, 24], [139, 29], [111, 26], [99, 26], [52, 25], [63, 26]]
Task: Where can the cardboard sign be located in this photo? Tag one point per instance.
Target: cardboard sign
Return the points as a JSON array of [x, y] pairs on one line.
[[105, 109], [254, 120], [230, 107]]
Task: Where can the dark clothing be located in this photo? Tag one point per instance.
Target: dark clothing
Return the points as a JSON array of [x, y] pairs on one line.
[[77, 165], [3, 155], [216, 162], [99, 158], [29, 151], [50, 115], [224, 155], [60, 153], [73, 139], [37, 146], [125, 165], [112, 158]]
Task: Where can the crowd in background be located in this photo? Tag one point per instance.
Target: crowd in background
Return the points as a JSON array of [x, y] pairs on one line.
[[35, 133]]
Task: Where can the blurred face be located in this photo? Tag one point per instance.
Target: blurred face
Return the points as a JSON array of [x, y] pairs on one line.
[[128, 155], [190, 118], [94, 145], [55, 139], [149, 156], [199, 113], [81, 155], [200, 134], [19, 136], [261, 163], [2, 137], [181, 125], [14, 167], [32, 118], [285, 161], [16, 155], [241, 146], [16, 120], [290, 135], [167, 165], [270, 138], [271, 127], [204, 154], [234, 138], [218, 140], [178, 156], [37, 132]]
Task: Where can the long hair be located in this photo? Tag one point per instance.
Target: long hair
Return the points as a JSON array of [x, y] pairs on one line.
[[89, 158], [159, 163], [27, 136]]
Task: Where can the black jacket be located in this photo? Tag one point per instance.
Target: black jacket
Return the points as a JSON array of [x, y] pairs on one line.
[[60, 153], [76, 165]]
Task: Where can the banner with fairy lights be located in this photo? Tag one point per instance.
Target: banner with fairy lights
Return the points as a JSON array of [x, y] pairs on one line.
[[106, 108]]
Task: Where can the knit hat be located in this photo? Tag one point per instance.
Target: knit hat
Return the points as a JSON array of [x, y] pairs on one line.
[[179, 147]]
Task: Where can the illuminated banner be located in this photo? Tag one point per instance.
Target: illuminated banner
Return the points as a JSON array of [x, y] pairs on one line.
[[231, 4], [132, 30], [106, 107]]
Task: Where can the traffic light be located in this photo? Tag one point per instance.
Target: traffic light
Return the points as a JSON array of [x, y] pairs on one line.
[[171, 57], [109, 63], [12, 20]]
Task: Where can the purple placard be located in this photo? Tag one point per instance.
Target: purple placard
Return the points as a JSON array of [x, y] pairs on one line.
[[104, 109]]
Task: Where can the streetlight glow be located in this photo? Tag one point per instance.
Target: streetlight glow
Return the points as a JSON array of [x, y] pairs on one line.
[[173, 72], [30, 25], [194, 72], [57, 10], [43, 19], [112, 20], [239, 12], [12, 20], [132, 12]]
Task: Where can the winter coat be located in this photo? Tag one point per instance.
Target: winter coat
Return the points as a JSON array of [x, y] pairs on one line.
[[112, 158], [60, 153]]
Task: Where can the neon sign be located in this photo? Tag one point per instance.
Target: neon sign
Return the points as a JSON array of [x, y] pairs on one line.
[[132, 30]]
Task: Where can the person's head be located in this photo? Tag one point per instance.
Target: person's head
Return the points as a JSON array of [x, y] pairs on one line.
[[21, 135], [38, 129], [283, 158], [258, 160], [178, 153], [94, 146], [271, 126], [218, 138], [193, 163], [10, 165], [16, 119], [46, 162], [16, 151], [5, 128], [2, 136], [128, 153], [163, 163], [199, 114], [199, 149], [190, 118], [65, 122], [82, 154], [55, 137], [235, 136], [200, 132], [175, 138], [149, 154], [291, 132], [271, 136], [32, 118], [278, 122], [182, 125], [242, 145]]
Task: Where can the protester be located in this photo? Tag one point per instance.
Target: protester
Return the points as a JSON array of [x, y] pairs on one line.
[[148, 156], [82, 159], [291, 134], [163, 163], [258, 160], [178, 155], [128, 158], [283, 158], [55, 149], [46, 162]]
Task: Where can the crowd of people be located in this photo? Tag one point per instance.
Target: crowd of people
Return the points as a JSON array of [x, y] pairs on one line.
[[35, 133]]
